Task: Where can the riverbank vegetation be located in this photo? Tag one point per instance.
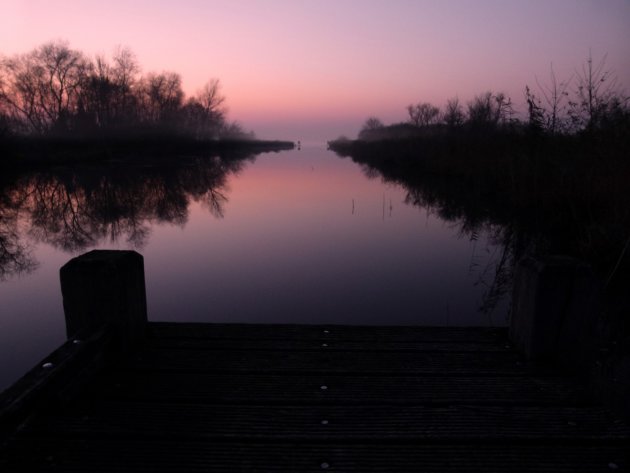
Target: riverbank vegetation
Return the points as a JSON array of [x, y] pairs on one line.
[[554, 183], [56, 97], [559, 176]]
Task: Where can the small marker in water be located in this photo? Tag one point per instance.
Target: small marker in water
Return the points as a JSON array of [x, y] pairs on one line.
[[324, 466], [323, 387], [324, 422], [324, 344]]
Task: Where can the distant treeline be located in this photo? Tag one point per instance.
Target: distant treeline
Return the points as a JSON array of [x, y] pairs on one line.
[[589, 102], [56, 91]]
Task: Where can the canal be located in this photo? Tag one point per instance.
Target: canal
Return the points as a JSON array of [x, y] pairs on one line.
[[300, 236]]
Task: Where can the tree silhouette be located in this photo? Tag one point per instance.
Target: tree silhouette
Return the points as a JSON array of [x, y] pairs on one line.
[[371, 128], [555, 95], [598, 100], [202, 115], [55, 90], [162, 97], [423, 114], [44, 85], [535, 112], [125, 74], [487, 110], [15, 255], [454, 115]]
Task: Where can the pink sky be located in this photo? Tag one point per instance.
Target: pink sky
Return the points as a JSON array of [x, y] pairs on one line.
[[314, 70]]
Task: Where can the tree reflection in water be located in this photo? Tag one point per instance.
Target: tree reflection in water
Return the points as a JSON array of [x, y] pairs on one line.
[[15, 254], [468, 210], [76, 208]]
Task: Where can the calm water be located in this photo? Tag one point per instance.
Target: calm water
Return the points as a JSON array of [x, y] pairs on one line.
[[293, 237]]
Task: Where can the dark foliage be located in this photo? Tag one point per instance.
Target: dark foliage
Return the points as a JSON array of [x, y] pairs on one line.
[[56, 93], [566, 193]]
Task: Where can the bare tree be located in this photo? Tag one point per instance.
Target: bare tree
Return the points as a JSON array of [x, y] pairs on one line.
[[95, 105], [44, 85], [64, 71], [20, 92], [5, 127], [55, 89], [481, 110], [535, 111], [371, 129], [125, 69], [488, 109], [125, 72], [597, 95], [423, 114], [194, 120], [210, 97], [454, 115], [555, 95], [204, 116], [163, 97], [504, 108]]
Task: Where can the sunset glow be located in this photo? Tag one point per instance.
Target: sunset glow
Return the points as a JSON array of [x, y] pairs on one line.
[[316, 70]]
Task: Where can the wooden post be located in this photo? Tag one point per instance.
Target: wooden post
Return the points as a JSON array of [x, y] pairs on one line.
[[554, 307], [105, 288]]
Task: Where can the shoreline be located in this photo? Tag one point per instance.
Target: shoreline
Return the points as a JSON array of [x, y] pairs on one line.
[[20, 153]]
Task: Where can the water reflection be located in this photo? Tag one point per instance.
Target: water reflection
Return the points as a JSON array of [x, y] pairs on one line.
[[15, 255], [81, 207], [306, 238], [467, 210]]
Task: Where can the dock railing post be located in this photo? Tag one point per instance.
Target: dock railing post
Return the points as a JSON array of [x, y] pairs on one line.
[[106, 289], [554, 308]]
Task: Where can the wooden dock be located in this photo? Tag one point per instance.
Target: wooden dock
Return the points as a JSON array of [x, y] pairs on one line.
[[298, 398], [271, 398]]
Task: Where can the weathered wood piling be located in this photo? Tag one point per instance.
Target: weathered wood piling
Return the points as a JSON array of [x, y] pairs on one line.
[[105, 290]]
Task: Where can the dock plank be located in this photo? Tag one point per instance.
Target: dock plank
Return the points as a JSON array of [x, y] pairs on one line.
[[386, 333], [293, 398], [347, 390], [325, 361], [460, 423], [314, 344], [128, 454]]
